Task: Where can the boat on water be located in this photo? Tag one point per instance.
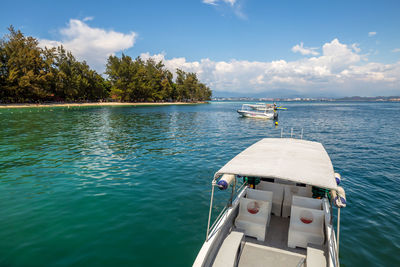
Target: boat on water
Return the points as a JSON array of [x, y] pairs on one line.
[[248, 111], [265, 106], [280, 208], [261, 106]]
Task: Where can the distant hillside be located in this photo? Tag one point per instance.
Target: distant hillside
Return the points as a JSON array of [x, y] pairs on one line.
[[372, 98], [352, 98]]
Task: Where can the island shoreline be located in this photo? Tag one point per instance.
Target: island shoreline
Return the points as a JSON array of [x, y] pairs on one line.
[[98, 104]]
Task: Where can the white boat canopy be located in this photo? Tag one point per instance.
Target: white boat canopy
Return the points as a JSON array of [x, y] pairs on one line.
[[288, 159]]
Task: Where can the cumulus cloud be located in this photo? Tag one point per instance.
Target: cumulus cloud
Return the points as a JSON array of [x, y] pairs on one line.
[[94, 45], [356, 48], [370, 34], [305, 50], [339, 70], [396, 50]]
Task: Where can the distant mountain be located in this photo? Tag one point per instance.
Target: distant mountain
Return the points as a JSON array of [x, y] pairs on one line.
[[353, 98], [291, 95], [281, 93], [277, 93], [369, 98]]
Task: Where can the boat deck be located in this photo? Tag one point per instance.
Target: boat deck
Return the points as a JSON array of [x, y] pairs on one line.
[[274, 250], [258, 255], [277, 235]]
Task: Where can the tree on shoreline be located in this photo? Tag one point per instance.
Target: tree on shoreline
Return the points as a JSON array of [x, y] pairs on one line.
[[29, 73], [24, 68], [138, 80]]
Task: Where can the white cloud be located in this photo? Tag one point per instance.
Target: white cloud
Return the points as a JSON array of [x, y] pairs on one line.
[[88, 18], [210, 2], [370, 34], [339, 70], [215, 2], [234, 5], [305, 50], [94, 45], [396, 50], [356, 48]]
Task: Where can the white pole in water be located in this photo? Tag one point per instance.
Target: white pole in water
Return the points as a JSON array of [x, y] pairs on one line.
[[338, 231], [301, 133], [291, 132], [209, 214], [281, 132]]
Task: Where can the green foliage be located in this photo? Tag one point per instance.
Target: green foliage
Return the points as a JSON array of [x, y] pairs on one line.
[[23, 63], [138, 80], [3, 70], [29, 73]]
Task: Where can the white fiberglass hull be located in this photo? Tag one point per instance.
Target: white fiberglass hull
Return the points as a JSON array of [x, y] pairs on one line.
[[254, 114]]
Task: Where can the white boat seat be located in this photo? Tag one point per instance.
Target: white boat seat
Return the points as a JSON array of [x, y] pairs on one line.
[[315, 257], [277, 198], [285, 182], [306, 226], [306, 202], [290, 191], [253, 217], [261, 195], [228, 252]]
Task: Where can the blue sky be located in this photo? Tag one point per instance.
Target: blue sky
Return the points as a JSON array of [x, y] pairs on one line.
[[237, 47]]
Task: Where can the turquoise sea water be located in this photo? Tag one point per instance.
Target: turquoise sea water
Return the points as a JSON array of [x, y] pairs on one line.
[[129, 186]]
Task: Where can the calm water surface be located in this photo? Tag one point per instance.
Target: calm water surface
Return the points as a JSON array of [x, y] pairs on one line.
[[129, 186]]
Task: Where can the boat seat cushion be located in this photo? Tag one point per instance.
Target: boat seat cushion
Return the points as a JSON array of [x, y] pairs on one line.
[[307, 202], [306, 226], [277, 198], [290, 191], [228, 252], [261, 195], [253, 217], [315, 257]]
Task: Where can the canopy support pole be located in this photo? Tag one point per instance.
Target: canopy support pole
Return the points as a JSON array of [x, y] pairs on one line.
[[233, 192], [338, 232], [209, 213]]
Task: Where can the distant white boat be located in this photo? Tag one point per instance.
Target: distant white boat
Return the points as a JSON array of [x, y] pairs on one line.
[[265, 106], [248, 111], [281, 215], [261, 106]]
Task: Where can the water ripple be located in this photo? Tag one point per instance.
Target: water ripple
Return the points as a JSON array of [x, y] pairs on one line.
[[118, 185]]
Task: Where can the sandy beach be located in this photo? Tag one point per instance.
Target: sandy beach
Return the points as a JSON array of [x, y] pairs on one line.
[[97, 104]]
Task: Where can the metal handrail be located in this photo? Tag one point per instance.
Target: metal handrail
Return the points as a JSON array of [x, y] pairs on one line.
[[334, 247], [338, 231], [219, 217], [333, 244], [240, 188], [301, 262], [292, 134]]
